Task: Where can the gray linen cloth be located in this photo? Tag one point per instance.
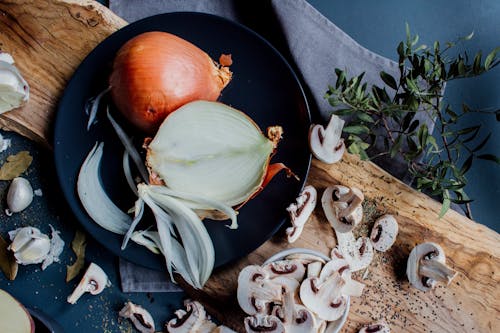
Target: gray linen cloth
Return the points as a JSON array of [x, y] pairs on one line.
[[311, 43]]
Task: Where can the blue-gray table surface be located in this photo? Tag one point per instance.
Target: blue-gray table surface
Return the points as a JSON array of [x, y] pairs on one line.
[[378, 26]]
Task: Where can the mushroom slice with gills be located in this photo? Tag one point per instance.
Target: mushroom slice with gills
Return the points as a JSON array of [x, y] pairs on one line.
[[314, 269], [324, 298], [380, 327], [305, 258], [287, 284], [342, 207], [384, 233], [141, 318], [358, 253], [289, 268], [93, 281], [296, 318], [341, 267], [187, 321], [427, 265], [326, 143], [300, 211], [256, 291], [264, 323]]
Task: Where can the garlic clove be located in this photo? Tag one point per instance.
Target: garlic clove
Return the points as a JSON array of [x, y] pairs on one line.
[[14, 90], [20, 195], [29, 245]]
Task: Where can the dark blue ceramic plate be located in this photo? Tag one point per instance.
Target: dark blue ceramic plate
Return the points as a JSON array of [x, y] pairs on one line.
[[263, 86]]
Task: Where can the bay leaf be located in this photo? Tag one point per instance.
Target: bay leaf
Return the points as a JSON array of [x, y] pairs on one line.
[[8, 263], [15, 165], [78, 245]]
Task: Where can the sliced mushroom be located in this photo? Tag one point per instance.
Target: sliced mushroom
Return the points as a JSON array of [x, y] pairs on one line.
[[322, 324], [294, 269], [264, 323], [326, 144], [427, 265], [305, 258], [342, 207], [300, 212], [314, 269], [324, 298], [384, 233], [358, 253], [380, 327], [287, 283], [187, 321], [93, 281], [223, 329], [296, 318], [256, 291], [142, 319], [341, 267]]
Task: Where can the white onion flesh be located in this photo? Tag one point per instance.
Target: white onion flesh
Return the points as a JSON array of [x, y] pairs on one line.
[[210, 150], [95, 200]]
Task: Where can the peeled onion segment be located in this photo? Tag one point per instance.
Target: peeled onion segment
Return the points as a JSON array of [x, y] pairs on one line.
[[157, 72]]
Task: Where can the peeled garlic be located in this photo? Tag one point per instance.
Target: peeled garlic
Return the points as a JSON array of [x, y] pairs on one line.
[[20, 195], [14, 90], [31, 246]]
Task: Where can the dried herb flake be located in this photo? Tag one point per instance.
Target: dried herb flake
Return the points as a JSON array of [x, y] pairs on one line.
[[15, 165], [78, 245], [8, 263]]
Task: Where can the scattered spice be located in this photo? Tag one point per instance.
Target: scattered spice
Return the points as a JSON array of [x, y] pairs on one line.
[[78, 245], [15, 165], [8, 263]]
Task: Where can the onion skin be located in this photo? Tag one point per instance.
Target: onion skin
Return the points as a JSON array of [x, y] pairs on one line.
[[157, 72]]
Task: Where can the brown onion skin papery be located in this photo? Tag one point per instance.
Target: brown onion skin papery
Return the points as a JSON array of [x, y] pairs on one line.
[[157, 72]]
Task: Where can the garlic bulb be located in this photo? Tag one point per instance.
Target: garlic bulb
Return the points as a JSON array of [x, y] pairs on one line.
[[31, 246], [14, 90], [20, 195]]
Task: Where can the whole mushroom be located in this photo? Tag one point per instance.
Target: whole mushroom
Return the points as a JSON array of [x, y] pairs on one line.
[[427, 265], [384, 233], [342, 207]]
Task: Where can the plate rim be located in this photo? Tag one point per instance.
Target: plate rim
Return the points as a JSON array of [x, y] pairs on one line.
[[62, 100]]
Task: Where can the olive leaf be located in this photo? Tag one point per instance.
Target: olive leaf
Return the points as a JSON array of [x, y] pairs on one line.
[[78, 245], [15, 165], [438, 164], [8, 263]]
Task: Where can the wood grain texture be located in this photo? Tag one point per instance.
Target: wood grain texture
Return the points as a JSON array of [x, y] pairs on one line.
[[471, 303], [48, 40]]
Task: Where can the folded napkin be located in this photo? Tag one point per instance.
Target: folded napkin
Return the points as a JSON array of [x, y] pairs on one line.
[[311, 43]]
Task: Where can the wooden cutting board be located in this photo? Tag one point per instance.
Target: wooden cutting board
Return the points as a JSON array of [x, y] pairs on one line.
[[48, 40]]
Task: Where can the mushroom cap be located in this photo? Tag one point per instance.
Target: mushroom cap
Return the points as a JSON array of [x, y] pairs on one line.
[[342, 207], [264, 323], [325, 298], [384, 233], [326, 144], [294, 269], [379, 327], [256, 290]]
